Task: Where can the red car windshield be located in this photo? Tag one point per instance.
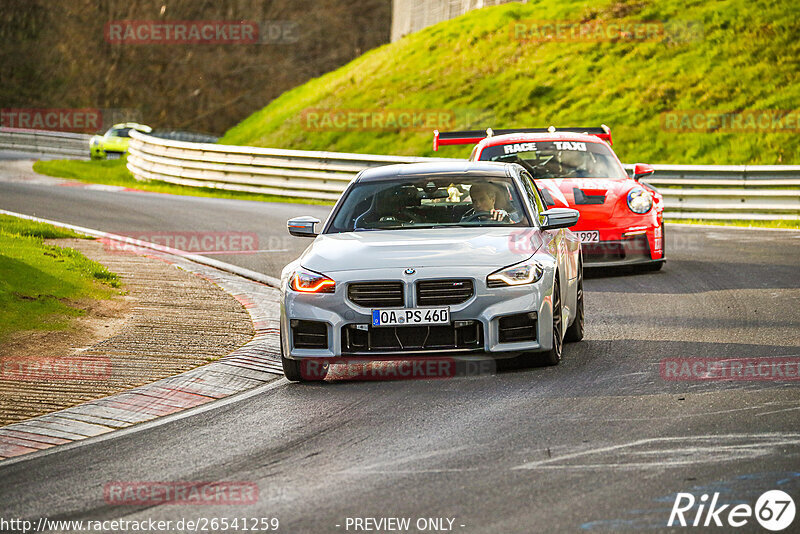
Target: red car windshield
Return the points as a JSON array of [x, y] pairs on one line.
[[559, 159]]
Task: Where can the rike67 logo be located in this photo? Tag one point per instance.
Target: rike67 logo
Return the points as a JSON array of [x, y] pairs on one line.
[[774, 510]]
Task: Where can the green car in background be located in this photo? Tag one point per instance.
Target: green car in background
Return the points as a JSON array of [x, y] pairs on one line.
[[115, 141]]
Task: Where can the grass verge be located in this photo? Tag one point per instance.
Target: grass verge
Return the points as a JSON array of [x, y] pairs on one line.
[[789, 225], [42, 286], [480, 71], [114, 172]]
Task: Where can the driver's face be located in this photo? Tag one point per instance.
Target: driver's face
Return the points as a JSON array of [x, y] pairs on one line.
[[483, 201]]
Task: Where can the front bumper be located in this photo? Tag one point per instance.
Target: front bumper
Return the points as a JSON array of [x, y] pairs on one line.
[[628, 246], [475, 325]]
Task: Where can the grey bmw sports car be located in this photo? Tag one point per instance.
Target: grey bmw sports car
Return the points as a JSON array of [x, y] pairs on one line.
[[433, 259]]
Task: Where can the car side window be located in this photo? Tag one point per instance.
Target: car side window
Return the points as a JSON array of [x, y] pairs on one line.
[[533, 194]]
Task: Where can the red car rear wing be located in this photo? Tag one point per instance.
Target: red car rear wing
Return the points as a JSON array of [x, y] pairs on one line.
[[469, 137]]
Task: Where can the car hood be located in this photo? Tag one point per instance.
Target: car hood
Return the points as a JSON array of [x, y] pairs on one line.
[[440, 247], [587, 193]]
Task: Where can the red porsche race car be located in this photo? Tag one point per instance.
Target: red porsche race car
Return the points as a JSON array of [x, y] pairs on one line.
[[621, 221]]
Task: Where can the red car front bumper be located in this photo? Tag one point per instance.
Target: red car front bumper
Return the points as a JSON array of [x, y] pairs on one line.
[[624, 246]]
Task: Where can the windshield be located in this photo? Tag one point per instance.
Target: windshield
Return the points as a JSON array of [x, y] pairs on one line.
[[559, 159], [118, 132], [429, 202]]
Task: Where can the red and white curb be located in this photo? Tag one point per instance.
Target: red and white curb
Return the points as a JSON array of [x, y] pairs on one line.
[[249, 366]]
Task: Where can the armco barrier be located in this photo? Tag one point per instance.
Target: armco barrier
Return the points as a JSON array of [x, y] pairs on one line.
[[296, 173], [728, 192], [766, 192], [61, 144]]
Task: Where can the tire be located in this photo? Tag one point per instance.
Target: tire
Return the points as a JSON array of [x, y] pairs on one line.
[[575, 331], [553, 356], [292, 369], [654, 266]]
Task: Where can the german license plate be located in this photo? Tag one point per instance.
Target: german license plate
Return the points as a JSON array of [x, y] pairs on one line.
[[411, 317], [591, 236]]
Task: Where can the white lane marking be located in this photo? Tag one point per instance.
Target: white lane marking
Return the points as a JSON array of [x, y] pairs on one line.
[[671, 417], [191, 412], [726, 227], [97, 187], [404, 460], [779, 411], [758, 445]]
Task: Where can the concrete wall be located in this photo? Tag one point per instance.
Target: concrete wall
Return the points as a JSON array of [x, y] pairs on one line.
[[409, 16]]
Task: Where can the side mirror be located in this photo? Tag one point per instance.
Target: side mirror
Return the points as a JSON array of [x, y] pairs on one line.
[[559, 218], [640, 170], [302, 226]]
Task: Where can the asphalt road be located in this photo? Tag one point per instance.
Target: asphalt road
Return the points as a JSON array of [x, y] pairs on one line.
[[164, 218], [602, 442]]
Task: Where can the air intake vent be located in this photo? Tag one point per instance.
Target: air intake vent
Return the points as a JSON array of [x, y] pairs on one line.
[[581, 197], [376, 294], [443, 292], [466, 337], [309, 334], [519, 327]]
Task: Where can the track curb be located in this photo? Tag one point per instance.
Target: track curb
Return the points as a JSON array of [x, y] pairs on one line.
[[250, 366]]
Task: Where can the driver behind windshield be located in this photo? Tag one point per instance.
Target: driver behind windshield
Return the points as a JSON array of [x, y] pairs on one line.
[[484, 198]]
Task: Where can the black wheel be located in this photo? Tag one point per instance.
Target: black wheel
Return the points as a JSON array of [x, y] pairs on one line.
[[575, 330], [553, 356], [314, 370], [291, 369], [654, 266]]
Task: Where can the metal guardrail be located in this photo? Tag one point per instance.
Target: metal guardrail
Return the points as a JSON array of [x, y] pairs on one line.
[[62, 144], [731, 192], [295, 173], [728, 192]]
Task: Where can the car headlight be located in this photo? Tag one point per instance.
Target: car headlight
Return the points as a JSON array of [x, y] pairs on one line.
[[305, 281], [640, 200], [94, 141], [516, 275]]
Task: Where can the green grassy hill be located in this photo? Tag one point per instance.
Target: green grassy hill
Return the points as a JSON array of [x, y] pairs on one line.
[[727, 55]]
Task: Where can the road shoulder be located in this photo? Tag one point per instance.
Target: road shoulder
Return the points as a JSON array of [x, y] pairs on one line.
[[184, 315]]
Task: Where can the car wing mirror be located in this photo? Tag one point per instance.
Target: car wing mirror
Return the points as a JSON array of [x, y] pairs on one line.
[[303, 226], [640, 170], [559, 218]]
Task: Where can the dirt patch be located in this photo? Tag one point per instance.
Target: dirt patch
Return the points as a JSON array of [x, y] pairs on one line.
[[103, 319], [170, 321]]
